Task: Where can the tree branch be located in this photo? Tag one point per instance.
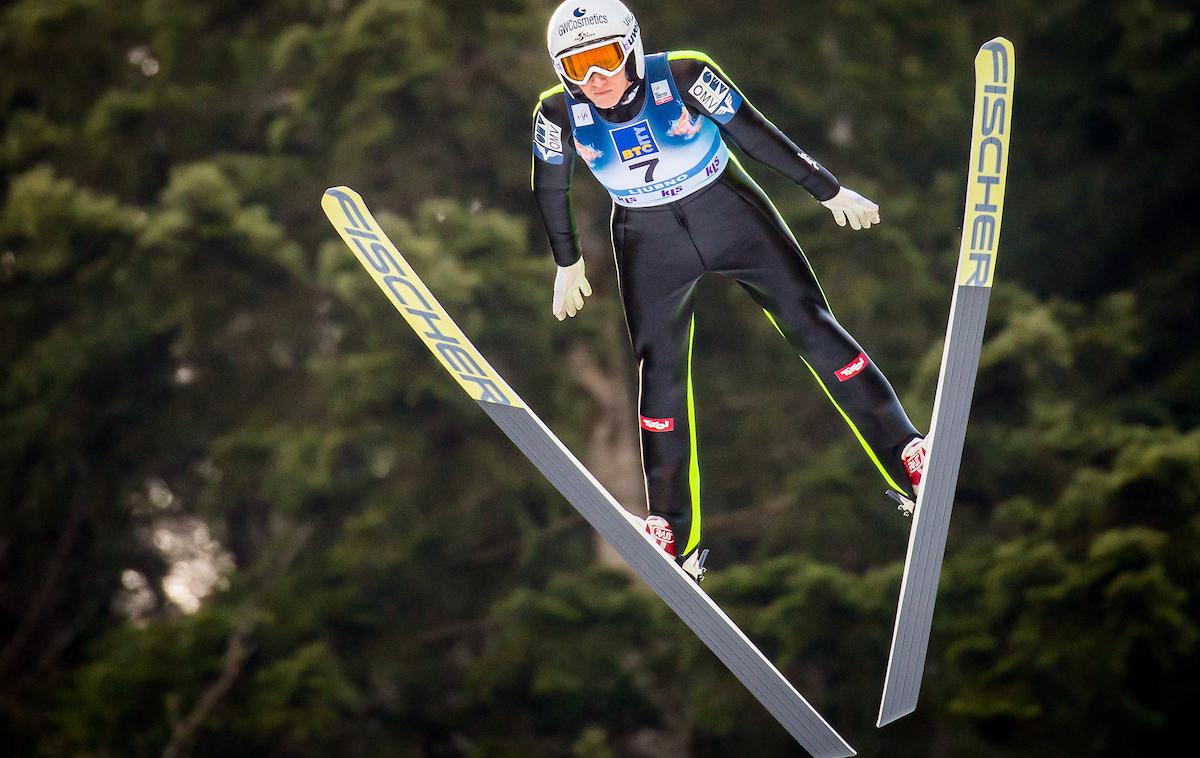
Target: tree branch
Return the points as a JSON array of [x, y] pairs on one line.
[[238, 649], [43, 598]]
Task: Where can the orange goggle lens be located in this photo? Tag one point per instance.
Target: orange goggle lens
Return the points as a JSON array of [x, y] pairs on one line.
[[608, 58]]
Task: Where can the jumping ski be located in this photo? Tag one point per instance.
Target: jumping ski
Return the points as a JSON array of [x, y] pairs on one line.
[[995, 65], [358, 228]]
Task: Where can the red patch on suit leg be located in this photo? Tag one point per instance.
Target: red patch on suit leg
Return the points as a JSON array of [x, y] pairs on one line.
[[658, 424], [853, 368]]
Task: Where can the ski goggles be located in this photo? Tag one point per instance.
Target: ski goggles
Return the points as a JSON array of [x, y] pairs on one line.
[[605, 57]]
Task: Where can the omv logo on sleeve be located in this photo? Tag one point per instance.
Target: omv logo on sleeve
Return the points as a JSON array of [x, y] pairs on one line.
[[634, 141], [715, 96], [547, 140]]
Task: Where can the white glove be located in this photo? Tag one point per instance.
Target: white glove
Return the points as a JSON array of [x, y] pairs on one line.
[[848, 205], [570, 288]]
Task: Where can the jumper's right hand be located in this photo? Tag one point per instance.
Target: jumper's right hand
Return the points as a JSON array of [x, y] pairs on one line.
[[570, 288], [848, 205]]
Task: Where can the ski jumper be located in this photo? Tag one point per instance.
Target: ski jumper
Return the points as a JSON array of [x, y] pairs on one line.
[[684, 207]]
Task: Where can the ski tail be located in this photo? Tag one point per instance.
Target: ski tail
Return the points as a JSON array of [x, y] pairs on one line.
[[995, 70]]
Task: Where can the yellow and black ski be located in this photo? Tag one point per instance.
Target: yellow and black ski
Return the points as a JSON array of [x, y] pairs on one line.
[[358, 228], [994, 78]]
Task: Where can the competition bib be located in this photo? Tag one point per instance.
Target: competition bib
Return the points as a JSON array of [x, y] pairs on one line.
[[662, 154]]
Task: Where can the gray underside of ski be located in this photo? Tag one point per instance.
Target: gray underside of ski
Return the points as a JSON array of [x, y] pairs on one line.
[[994, 79], [349, 215]]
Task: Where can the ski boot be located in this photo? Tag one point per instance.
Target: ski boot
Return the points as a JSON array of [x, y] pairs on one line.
[[662, 536], [915, 458]]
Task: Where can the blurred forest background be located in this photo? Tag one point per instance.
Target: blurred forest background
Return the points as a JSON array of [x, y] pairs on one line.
[[243, 512]]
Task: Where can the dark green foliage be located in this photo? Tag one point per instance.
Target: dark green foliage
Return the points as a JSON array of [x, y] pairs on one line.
[[196, 377]]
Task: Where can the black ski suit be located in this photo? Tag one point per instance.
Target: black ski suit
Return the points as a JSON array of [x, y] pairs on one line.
[[728, 227]]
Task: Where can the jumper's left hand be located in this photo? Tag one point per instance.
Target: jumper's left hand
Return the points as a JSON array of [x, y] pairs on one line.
[[570, 288], [848, 205]]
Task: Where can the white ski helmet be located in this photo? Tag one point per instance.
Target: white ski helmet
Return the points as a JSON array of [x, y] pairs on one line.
[[581, 25]]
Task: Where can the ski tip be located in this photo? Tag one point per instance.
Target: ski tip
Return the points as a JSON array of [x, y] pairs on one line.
[[996, 43], [340, 189]]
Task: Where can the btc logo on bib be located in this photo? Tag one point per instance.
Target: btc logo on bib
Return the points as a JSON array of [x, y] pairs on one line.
[[634, 141]]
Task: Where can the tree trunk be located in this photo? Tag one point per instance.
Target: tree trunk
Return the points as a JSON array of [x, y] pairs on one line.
[[613, 453]]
